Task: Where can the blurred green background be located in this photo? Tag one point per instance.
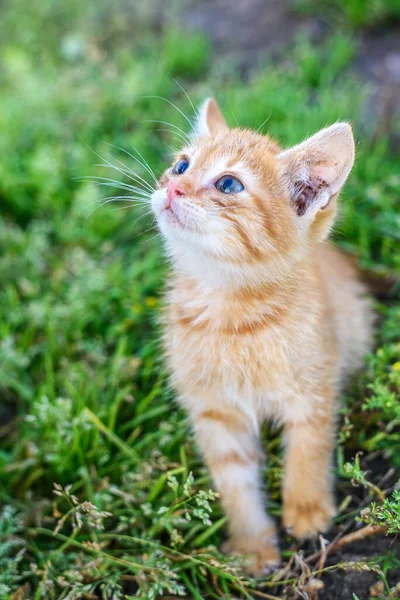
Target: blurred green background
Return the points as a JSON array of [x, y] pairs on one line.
[[84, 400]]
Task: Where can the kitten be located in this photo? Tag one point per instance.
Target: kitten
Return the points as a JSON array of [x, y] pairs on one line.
[[264, 318]]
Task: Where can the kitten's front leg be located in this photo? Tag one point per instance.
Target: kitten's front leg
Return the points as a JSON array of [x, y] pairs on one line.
[[230, 446], [308, 501]]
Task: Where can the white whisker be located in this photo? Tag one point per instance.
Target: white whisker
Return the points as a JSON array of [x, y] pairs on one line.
[[144, 164], [116, 184], [128, 173], [146, 183], [173, 150], [146, 214], [136, 200], [133, 205], [174, 106], [133, 173], [153, 237], [185, 135], [131, 199], [196, 114], [152, 227], [173, 133], [124, 186]]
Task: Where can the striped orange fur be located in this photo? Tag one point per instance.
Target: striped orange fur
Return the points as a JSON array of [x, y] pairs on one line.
[[264, 320]]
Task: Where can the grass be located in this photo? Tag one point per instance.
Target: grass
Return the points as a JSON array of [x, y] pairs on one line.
[[102, 491], [353, 14]]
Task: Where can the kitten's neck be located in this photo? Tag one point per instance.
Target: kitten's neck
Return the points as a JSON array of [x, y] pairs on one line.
[[226, 278], [234, 286]]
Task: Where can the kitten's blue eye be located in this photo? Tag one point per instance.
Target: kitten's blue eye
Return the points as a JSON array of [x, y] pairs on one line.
[[181, 166], [229, 185]]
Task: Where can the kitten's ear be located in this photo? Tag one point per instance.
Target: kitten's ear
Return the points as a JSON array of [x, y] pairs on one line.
[[316, 170], [210, 120]]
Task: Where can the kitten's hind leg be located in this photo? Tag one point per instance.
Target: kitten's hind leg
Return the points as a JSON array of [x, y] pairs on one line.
[[231, 449]]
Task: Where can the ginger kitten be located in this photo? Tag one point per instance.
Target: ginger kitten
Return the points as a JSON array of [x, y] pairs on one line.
[[264, 318]]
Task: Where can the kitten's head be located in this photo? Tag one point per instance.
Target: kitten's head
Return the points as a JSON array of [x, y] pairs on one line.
[[236, 209]]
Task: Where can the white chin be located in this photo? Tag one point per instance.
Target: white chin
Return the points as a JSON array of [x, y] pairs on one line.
[[171, 219], [172, 230]]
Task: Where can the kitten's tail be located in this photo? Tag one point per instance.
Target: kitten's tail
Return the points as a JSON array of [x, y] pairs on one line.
[[382, 284]]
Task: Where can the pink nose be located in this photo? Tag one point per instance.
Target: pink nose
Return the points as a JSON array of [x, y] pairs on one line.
[[173, 190]]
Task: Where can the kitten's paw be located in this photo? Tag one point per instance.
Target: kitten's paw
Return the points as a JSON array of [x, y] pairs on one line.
[[261, 553], [305, 518]]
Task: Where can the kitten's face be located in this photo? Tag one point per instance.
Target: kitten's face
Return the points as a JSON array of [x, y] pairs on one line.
[[226, 203], [222, 198]]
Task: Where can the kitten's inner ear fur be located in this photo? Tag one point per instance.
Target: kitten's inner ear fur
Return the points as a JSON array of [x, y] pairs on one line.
[[316, 169], [210, 120]]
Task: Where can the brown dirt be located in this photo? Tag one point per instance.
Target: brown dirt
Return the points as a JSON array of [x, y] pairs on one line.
[[246, 31]]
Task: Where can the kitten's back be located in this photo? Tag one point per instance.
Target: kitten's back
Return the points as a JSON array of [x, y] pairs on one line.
[[351, 307]]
